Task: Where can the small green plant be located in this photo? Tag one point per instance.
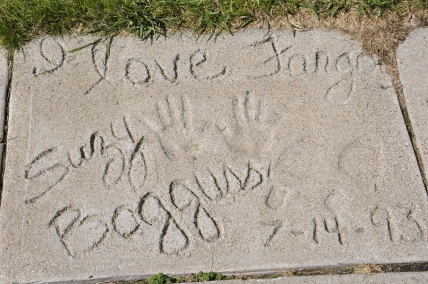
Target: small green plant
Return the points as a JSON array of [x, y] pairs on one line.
[[208, 276], [160, 279]]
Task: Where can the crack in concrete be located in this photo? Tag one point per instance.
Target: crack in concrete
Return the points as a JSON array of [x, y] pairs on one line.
[[10, 58], [398, 86]]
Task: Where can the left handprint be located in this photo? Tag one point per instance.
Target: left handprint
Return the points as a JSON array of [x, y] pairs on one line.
[[176, 133]]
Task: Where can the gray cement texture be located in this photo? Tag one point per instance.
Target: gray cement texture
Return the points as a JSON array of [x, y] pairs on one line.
[[378, 278], [4, 78], [247, 153]]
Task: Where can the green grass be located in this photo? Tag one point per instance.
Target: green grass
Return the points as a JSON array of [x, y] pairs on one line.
[[208, 276], [22, 20], [161, 278]]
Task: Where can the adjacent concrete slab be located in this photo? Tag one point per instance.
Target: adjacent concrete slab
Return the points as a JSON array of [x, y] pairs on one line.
[[412, 64], [252, 152], [381, 278]]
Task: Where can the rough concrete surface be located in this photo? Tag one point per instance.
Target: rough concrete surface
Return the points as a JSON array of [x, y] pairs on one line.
[[253, 152], [412, 61], [378, 278], [4, 77]]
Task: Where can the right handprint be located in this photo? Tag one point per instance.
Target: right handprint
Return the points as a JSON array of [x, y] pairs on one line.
[[253, 135]]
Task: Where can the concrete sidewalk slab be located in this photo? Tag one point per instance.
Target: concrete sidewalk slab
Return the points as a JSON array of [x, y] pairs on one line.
[[378, 278], [412, 61], [253, 152]]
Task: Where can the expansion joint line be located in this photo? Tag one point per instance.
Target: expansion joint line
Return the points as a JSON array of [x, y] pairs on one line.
[[5, 110]]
